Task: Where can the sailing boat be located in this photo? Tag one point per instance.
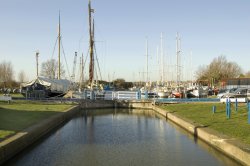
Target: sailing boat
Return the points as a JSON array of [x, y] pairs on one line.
[[162, 91], [146, 91], [42, 87], [93, 62], [93, 86]]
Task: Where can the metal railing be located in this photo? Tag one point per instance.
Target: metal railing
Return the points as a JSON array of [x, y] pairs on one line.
[[184, 100], [121, 95], [124, 95]]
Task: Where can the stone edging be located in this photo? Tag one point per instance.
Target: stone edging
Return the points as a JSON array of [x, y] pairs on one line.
[[21, 140], [222, 143]]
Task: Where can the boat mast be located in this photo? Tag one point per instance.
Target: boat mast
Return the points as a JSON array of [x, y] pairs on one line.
[[59, 48], [178, 52], [74, 68], [162, 60], [158, 61], [81, 72], [147, 80], [91, 51], [191, 66]]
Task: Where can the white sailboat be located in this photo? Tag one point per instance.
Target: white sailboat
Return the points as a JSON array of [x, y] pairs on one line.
[[161, 89]]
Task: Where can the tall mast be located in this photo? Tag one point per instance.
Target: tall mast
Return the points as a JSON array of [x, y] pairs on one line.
[[158, 60], [59, 48], [91, 51], [147, 60], [191, 65], [74, 68], [162, 60], [81, 72], [178, 52]]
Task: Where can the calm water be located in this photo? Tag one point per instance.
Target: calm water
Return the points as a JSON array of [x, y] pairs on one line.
[[120, 137]]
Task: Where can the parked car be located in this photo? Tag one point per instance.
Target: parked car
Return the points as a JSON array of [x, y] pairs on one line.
[[239, 93], [224, 92]]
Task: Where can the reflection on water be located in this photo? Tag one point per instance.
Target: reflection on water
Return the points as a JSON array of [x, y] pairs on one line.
[[120, 137]]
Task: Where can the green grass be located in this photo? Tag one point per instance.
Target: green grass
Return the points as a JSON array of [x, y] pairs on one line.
[[19, 115], [236, 127], [19, 95], [212, 97], [5, 133]]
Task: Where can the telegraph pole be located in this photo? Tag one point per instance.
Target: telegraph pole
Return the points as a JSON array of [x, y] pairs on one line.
[[37, 53]]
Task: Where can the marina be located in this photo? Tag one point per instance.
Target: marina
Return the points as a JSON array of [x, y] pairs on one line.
[[152, 83]]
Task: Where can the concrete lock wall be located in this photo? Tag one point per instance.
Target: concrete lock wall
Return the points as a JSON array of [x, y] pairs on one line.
[[89, 104], [226, 145], [229, 146], [133, 104], [21, 140]]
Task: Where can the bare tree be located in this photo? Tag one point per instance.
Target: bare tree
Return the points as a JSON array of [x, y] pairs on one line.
[[6, 74], [219, 69], [22, 76], [247, 75], [201, 73], [50, 69]]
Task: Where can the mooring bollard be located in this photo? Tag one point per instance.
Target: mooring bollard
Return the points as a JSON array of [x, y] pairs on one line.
[[248, 106], [248, 113], [138, 95], [236, 105], [214, 109], [228, 109], [146, 94]]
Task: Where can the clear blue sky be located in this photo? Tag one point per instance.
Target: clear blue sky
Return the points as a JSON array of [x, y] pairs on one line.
[[208, 28]]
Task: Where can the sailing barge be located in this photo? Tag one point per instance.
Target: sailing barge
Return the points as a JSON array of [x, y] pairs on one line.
[[45, 87], [42, 87]]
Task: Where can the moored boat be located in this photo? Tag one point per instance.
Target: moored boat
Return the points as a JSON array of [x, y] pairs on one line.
[[45, 87]]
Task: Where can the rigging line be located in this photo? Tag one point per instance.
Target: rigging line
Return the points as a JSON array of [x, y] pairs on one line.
[[96, 75], [98, 62], [81, 72], [65, 59], [78, 73], [54, 49], [81, 40], [85, 59]]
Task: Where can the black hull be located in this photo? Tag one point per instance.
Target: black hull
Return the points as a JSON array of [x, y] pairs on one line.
[[42, 94], [55, 94]]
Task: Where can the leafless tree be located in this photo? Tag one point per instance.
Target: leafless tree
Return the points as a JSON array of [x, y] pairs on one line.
[[219, 69], [49, 69], [22, 76], [6, 74], [247, 74], [201, 73]]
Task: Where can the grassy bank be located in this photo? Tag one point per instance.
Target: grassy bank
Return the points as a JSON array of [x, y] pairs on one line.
[[14, 95], [19, 115], [201, 113]]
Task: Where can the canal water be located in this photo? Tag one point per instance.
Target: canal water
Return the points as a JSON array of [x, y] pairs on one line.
[[120, 137]]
